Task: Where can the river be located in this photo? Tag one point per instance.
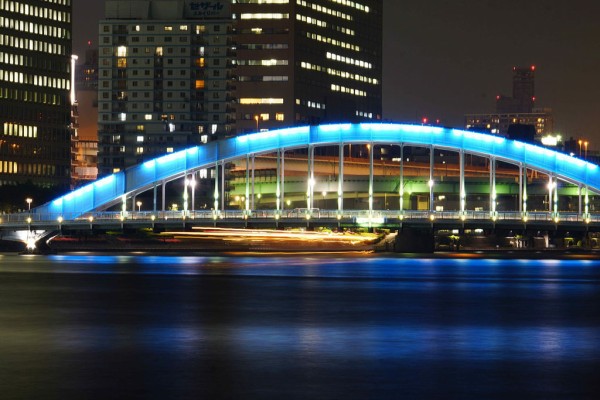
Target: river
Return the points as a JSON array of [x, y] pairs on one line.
[[349, 326]]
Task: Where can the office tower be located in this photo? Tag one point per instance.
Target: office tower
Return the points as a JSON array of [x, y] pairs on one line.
[[307, 62], [164, 78], [84, 166], [517, 110], [523, 97], [35, 103]]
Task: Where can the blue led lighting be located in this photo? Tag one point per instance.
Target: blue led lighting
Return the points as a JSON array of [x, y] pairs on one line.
[[168, 167]]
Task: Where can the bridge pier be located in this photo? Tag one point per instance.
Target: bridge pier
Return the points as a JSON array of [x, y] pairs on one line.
[[415, 240]]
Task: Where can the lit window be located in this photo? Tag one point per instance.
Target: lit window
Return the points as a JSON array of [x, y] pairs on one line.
[[140, 139], [148, 117], [264, 16], [279, 117], [169, 149], [269, 100]]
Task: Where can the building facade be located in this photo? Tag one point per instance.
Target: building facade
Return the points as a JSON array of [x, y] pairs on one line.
[[178, 73], [307, 62], [35, 82], [164, 80], [499, 124], [86, 85]]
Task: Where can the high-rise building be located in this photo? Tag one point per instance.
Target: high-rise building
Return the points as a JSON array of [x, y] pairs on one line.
[[516, 110], [178, 73], [523, 97], [307, 62], [35, 82], [164, 78], [86, 85]]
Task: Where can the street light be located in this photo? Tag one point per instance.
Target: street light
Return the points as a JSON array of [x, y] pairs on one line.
[[585, 144], [29, 200], [139, 204], [580, 142]]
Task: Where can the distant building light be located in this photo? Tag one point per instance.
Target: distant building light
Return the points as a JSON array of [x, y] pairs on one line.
[[551, 140]]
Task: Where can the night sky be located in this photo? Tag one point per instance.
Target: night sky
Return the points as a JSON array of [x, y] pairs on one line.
[[443, 58]]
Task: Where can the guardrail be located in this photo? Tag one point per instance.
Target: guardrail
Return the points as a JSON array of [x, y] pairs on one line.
[[357, 216]]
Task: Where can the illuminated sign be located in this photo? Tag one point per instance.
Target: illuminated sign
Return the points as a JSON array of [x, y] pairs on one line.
[[550, 140], [207, 9]]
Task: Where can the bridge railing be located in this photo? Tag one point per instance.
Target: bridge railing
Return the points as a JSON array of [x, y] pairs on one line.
[[356, 216]]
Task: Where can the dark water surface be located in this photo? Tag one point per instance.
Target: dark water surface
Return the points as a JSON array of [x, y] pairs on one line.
[[164, 327]]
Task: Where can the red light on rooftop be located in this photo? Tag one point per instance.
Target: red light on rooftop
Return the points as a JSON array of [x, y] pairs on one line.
[[533, 98], [498, 97], [89, 42], [533, 67], [425, 120]]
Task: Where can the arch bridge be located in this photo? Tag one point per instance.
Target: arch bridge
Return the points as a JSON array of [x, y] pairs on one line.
[[368, 174]]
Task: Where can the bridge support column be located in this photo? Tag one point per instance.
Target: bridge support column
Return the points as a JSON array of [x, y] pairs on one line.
[[124, 206], [461, 184], [216, 193], [493, 195], [223, 185], [579, 207], [340, 191], [555, 198], [371, 152], [278, 186], [164, 195], [520, 199], [587, 203], [185, 195], [401, 184], [431, 182], [282, 179], [247, 198], [524, 195], [252, 205], [310, 187], [193, 187], [154, 198]]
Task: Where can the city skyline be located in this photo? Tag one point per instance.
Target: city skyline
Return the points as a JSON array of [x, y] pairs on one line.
[[444, 60]]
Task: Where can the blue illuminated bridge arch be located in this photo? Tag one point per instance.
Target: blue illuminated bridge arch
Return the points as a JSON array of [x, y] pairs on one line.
[[110, 190]]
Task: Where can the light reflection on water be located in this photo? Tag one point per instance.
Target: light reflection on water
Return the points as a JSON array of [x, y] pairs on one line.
[[300, 327]]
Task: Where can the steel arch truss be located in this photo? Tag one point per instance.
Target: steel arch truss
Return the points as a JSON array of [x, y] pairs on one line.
[[113, 188]]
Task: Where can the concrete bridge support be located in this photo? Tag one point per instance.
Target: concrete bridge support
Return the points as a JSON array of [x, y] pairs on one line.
[[415, 240]]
